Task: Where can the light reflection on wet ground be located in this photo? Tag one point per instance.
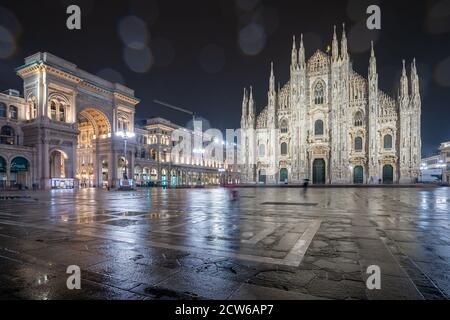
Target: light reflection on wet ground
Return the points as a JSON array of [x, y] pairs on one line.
[[197, 243]]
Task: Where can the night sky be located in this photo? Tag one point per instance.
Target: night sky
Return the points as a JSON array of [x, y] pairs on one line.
[[199, 54]]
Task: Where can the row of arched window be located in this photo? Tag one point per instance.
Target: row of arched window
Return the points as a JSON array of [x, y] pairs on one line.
[[143, 154], [387, 143], [319, 125], [58, 112], [153, 140], [358, 145], [11, 112], [283, 149], [123, 124]]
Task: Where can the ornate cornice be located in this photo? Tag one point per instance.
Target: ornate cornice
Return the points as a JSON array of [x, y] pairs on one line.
[[38, 66], [120, 96]]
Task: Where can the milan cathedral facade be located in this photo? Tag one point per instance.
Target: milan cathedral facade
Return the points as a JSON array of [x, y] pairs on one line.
[[330, 125]]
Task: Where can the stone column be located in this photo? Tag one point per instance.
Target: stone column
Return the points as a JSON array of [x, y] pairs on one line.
[[45, 166], [131, 164], [98, 165], [43, 94], [112, 168], [72, 162], [8, 173]]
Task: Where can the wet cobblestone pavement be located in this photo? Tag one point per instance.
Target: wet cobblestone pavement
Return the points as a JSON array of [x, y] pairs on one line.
[[198, 244]]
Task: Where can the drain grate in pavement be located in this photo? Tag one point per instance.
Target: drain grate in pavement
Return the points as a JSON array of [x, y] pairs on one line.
[[289, 204]]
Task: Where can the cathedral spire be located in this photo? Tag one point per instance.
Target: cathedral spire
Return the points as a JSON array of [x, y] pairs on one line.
[[344, 46], [404, 82], [301, 53], [244, 109], [271, 100], [372, 63], [251, 101], [294, 55], [335, 47], [415, 87], [272, 79], [251, 109]]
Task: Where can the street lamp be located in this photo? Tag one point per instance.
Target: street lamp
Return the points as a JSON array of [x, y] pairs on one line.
[[125, 135]]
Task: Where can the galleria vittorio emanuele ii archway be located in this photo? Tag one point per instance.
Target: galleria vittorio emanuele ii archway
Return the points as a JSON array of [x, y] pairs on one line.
[[92, 149], [73, 124]]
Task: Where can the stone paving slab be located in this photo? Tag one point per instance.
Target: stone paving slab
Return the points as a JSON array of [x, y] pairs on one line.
[[251, 292], [197, 244]]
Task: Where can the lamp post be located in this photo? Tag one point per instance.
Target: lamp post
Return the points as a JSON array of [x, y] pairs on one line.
[[125, 135]]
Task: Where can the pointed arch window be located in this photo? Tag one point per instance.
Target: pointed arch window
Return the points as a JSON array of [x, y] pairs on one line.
[[284, 127], [262, 150], [284, 149], [358, 144], [318, 128], [388, 141], [319, 94], [359, 119]]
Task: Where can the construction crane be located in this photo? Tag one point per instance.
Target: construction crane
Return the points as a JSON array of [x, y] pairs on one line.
[[176, 108], [164, 104]]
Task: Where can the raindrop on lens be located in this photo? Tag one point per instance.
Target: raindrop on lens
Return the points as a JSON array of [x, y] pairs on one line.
[[252, 39], [133, 32], [138, 60], [7, 43]]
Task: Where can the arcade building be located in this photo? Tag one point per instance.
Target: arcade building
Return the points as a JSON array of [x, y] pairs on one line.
[[73, 129]]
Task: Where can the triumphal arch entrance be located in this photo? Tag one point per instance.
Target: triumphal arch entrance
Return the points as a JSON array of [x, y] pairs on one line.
[[73, 120]]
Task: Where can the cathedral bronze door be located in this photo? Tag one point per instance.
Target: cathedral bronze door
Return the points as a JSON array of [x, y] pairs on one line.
[[358, 175], [319, 171], [262, 176], [283, 175], [388, 174]]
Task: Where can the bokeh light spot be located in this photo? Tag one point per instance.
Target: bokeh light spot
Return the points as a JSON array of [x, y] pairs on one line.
[[139, 61], [7, 43], [10, 21], [133, 32], [442, 73], [252, 39]]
